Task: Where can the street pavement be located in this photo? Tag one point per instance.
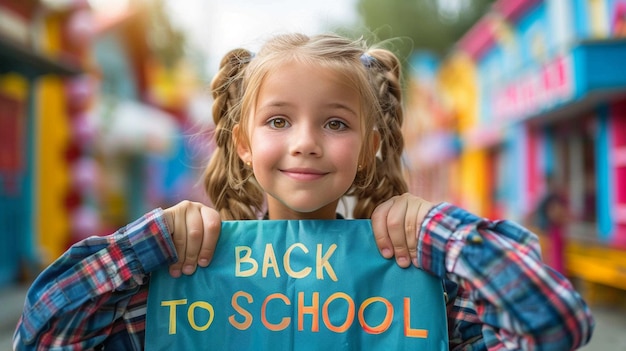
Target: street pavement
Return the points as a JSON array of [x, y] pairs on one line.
[[609, 335], [11, 303], [610, 331]]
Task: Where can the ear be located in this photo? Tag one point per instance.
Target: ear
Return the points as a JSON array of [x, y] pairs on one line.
[[243, 149]]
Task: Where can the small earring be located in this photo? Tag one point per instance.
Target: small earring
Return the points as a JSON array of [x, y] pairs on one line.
[[359, 168], [249, 163]]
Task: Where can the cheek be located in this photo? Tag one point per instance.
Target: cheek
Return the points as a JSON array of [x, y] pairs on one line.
[[348, 156], [264, 147], [348, 153]]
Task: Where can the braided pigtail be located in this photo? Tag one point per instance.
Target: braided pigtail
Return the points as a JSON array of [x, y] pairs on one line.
[[228, 182], [388, 181]]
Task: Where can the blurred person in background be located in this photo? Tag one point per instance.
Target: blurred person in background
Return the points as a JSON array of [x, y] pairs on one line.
[[550, 218]]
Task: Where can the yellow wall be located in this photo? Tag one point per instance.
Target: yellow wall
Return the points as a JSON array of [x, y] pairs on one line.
[[52, 174], [458, 78], [598, 19], [52, 135], [474, 180], [14, 86], [52, 44], [172, 87]]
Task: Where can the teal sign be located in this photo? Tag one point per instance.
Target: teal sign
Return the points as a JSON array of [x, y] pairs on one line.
[[297, 285]]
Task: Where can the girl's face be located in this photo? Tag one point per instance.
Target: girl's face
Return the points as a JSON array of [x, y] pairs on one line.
[[305, 140]]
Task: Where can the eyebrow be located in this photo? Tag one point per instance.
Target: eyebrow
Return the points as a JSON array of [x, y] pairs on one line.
[[331, 105], [336, 105]]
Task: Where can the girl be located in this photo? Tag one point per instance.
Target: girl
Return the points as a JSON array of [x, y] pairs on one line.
[[298, 126]]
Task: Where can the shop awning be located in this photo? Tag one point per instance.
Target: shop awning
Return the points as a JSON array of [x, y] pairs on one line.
[[571, 84], [583, 77], [15, 57]]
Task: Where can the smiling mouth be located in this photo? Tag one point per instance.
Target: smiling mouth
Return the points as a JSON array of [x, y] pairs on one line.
[[300, 174]]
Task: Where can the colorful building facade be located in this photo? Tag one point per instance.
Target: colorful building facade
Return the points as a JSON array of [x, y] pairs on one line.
[[92, 128], [538, 90], [41, 52]]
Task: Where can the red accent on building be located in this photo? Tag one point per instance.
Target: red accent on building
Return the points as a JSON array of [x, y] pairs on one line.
[[479, 39], [481, 36]]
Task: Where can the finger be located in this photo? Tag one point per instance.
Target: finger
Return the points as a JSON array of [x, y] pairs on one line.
[[397, 234], [195, 235], [411, 228], [424, 209], [379, 226], [179, 238], [212, 226]]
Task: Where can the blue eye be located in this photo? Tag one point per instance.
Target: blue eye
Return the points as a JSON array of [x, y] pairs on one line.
[[336, 125]]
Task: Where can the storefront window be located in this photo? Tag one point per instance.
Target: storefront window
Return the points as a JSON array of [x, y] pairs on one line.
[[575, 168]]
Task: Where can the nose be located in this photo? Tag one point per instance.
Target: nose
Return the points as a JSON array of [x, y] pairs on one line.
[[306, 140]]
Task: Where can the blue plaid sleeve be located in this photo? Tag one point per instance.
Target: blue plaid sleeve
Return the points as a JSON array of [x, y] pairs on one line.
[[504, 289], [77, 301]]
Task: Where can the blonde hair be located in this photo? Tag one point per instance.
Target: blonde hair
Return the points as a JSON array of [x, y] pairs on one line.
[[375, 74]]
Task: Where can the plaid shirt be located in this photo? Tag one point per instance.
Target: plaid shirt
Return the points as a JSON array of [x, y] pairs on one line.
[[501, 295]]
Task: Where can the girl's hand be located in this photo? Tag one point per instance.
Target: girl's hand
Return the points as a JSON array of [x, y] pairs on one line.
[[396, 223], [195, 229]]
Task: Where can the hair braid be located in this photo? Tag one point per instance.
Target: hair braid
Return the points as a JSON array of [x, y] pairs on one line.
[[227, 181], [388, 177]]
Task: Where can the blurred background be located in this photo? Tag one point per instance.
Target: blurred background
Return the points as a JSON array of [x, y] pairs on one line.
[[514, 109]]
